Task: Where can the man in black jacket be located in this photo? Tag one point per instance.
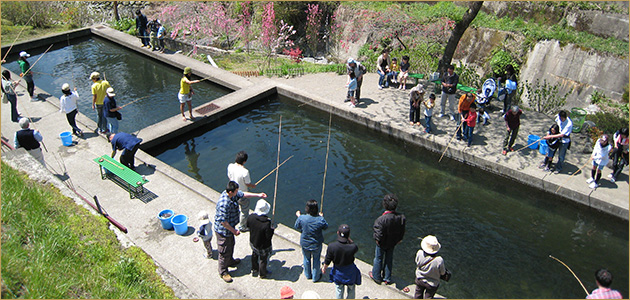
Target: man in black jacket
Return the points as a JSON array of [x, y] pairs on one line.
[[261, 232], [389, 230]]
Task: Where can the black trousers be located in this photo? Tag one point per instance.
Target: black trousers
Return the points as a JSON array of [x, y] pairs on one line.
[[71, 117], [127, 158]]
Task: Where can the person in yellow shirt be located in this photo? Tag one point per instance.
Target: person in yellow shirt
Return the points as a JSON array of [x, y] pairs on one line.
[[186, 92], [99, 90]]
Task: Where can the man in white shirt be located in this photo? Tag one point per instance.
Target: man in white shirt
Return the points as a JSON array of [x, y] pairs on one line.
[[238, 173], [566, 127]]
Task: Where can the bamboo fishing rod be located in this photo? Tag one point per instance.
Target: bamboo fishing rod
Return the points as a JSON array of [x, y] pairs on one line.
[[275, 191], [18, 36], [276, 168], [449, 142], [33, 65], [578, 170], [326, 163], [578, 279], [534, 142], [134, 101]]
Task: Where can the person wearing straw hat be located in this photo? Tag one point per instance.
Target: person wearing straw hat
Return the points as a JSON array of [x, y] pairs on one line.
[[99, 91], [27, 74], [604, 278], [389, 230], [344, 272], [311, 226], [111, 111], [286, 292], [68, 105], [429, 268], [225, 219], [29, 139], [186, 92], [260, 238]]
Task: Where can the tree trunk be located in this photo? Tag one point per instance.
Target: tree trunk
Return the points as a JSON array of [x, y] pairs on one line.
[[456, 35], [116, 16]]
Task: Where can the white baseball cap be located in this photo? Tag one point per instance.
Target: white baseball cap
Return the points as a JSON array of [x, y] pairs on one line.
[[24, 54], [65, 87], [110, 92]]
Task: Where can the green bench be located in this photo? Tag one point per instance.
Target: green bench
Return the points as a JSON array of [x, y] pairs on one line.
[[461, 87], [416, 76], [126, 178]]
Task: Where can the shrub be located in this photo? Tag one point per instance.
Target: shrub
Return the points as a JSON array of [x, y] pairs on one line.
[[607, 122], [544, 97], [124, 24], [500, 59]]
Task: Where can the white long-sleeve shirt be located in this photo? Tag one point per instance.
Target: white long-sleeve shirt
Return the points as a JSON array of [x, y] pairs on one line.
[[600, 154], [68, 103]]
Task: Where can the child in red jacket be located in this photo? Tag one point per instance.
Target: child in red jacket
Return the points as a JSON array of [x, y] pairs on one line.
[[471, 121]]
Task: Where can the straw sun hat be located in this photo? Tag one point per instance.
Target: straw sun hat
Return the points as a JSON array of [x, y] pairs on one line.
[[430, 244]]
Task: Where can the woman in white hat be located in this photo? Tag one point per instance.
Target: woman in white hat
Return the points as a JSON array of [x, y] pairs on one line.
[[27, 74], [261, 232], [429, 268], [68, 105]]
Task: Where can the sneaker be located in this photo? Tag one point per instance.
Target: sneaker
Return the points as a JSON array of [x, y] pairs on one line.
[[546, 169], [427, 131], [505, 153], [590, 180], [380, 87], [235, 262], [542, 165], [227, 278], [207, 256], [440, 115], [612, 179], [593, 185], [352, 106], [243, 229], [372, 277], [255, 273], [511, 149], [452, 118]]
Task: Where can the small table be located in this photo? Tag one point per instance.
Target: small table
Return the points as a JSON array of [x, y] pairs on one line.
[[126, 178]]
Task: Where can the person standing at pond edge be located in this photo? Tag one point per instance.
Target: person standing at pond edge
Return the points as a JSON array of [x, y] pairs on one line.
[[449, 88], [161, 34], [566, 127], [68, 105], [186, 92], [359, 70], [344, 272], [416, 98], [225, 219], [311, 225], [260, 238], [141, 28], [600, 160], [604, 278], [111, 111], [205, 233], [513, 122], [429, 268], [619, 153], [389, 230], [129, 144], [8, 88], [27, 74], [237, 172], [153, 26], [99, 91], [463, 108], [29, 139], [510, 86]]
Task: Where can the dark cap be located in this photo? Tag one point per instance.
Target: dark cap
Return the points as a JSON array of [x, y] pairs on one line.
[[343, 233]]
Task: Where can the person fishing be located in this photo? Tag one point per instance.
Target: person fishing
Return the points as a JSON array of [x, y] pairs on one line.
[[27, 74], [186, 92]]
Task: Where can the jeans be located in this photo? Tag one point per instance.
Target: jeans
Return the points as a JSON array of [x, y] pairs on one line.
[[142, 31], [427, 122], [562, 152], [468, 134], [71, 116], [382, 79], [101, 122], [14, 113], [339, 288], [510, 137], [225, 246], [451, 103], [112, 124], [463, 124], [383, 261], [312, 271], [30, 85]]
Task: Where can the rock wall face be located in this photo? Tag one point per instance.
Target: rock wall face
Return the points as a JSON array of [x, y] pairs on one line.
[[577, 71]]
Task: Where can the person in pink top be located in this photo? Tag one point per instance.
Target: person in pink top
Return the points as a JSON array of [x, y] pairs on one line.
[[603, 278], [471, 122], [619, 153]]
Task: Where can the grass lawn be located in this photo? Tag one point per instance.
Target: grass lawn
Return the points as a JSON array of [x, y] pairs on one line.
[[54, 249], [8, 33]]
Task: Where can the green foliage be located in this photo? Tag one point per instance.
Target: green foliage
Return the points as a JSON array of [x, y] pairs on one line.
[[500, 59], [48, 243], [544, 97], [607, 122], [124, 24], [468, 76], [624, 96], [19, 12]]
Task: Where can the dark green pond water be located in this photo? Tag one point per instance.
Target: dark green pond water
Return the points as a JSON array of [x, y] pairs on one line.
[[496, 234], [132, 76]]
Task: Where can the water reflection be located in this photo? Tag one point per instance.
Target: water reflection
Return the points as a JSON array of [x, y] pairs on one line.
[[192, 156]]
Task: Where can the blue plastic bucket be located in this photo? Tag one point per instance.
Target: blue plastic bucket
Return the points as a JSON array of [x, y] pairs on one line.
[[543, 147], [180, 223], [530, 141], [165, 217], [66, 138]]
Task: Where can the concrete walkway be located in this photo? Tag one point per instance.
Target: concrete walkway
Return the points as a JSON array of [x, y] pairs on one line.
[[178, 258]]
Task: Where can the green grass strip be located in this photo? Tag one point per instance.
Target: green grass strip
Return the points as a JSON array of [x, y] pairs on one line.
[[54, 249]]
